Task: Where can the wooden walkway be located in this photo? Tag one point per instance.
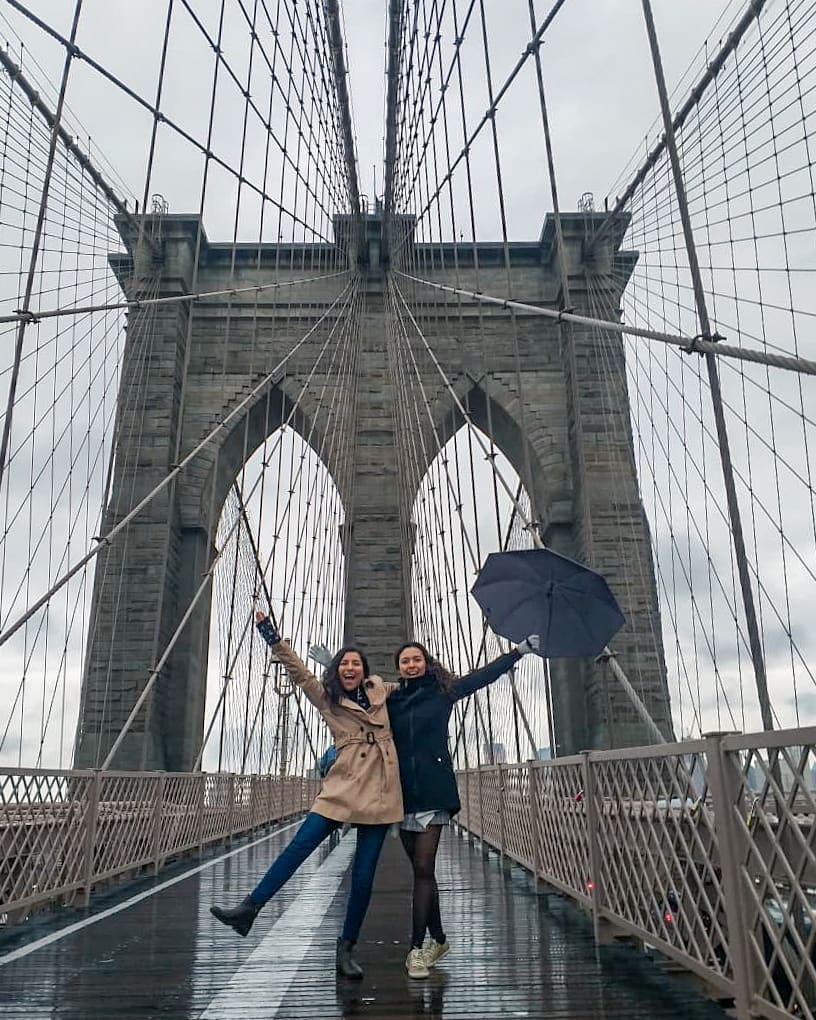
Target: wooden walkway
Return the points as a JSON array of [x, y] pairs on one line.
[[514, 954]]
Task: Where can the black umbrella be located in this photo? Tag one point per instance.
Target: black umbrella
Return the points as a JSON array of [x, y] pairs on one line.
[[538, 591]]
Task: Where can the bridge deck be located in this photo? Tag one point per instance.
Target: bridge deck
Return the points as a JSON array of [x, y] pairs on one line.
[[514, 954]]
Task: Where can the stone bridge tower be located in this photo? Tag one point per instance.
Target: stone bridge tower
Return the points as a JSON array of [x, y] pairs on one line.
[[184, 376]]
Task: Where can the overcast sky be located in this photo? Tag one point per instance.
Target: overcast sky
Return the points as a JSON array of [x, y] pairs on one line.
[[596, 66], [597, 72]]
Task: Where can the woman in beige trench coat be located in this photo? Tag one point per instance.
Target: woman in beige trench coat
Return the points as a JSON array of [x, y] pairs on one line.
[[362, 788]]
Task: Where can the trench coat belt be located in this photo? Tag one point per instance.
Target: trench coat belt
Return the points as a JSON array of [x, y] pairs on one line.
[[368, 738]]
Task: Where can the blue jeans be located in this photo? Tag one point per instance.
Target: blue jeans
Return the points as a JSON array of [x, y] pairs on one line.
[[306, 840]]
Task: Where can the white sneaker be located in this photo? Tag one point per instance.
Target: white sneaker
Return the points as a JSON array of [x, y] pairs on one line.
[[415, 965], [435, 951]]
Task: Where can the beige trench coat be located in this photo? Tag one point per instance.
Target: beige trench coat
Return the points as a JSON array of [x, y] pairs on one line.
[[363, 784]]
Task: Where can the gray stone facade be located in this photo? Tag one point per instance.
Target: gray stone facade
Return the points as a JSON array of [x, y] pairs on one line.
[[180, 378]]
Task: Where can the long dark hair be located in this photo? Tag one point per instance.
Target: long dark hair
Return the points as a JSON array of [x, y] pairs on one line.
[[331, 678], [433, 667]]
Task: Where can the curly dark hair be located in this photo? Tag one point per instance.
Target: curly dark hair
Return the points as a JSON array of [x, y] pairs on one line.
[[331, 678], [433, 666]]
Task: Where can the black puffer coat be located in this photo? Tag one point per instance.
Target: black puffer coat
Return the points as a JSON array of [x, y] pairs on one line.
[[420, 711]]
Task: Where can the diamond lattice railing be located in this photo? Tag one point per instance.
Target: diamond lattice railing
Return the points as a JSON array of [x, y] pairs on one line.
[[491, 796], [63, 832], [43, 822], [180, 814], [658, 852], [216, 807], [125, 825], [561, 826], [705, 850], [773, 807], [517, 822]]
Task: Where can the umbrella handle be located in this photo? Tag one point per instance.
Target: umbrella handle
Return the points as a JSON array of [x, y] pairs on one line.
[[545, 637]]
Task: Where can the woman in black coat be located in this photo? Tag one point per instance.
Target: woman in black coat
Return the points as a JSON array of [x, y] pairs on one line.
[[420, 712]]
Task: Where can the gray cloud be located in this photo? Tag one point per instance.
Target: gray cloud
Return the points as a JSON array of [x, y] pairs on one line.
[[602, 104]]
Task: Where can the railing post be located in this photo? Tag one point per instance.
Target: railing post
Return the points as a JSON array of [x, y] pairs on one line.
[[202, 796], [502, 819], [725, 783], [461, 785], [264, 791], [593, 843], [472, 796], [536, 857], [231, 814], [481, 810], [91, 822], [158, 807], [253, 802]]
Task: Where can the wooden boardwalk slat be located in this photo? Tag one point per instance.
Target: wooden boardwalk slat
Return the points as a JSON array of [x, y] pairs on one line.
[[514, 954]]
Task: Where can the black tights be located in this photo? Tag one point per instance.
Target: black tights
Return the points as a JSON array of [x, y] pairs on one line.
[[421, 849]]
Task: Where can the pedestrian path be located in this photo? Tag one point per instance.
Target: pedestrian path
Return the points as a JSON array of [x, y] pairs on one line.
[[159, 953]]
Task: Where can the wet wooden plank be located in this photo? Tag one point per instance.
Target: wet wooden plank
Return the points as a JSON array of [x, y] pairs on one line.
[[513, 955]]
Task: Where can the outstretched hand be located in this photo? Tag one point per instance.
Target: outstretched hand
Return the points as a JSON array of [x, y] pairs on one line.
[[266, 628], [321, 655], [529, 644]]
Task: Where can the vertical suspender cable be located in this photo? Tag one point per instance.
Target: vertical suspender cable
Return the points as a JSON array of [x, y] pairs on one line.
[[735, 518], [35, 244]]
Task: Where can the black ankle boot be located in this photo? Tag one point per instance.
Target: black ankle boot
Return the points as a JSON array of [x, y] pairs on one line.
[[347, 966], [240, 918]]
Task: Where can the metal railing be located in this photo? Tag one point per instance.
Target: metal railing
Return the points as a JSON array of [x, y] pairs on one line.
[[64, 832], [705, 850]]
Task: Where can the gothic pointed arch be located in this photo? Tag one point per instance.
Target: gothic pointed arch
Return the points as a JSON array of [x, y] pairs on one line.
[[280, 542], [221, 462], [494, 408]]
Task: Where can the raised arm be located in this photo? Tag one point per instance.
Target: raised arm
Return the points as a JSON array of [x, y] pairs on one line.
[[299, 673], [488, 674], [466, 685]]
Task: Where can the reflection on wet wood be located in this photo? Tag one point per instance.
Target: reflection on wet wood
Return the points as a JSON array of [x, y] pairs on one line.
[[514, 954]]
